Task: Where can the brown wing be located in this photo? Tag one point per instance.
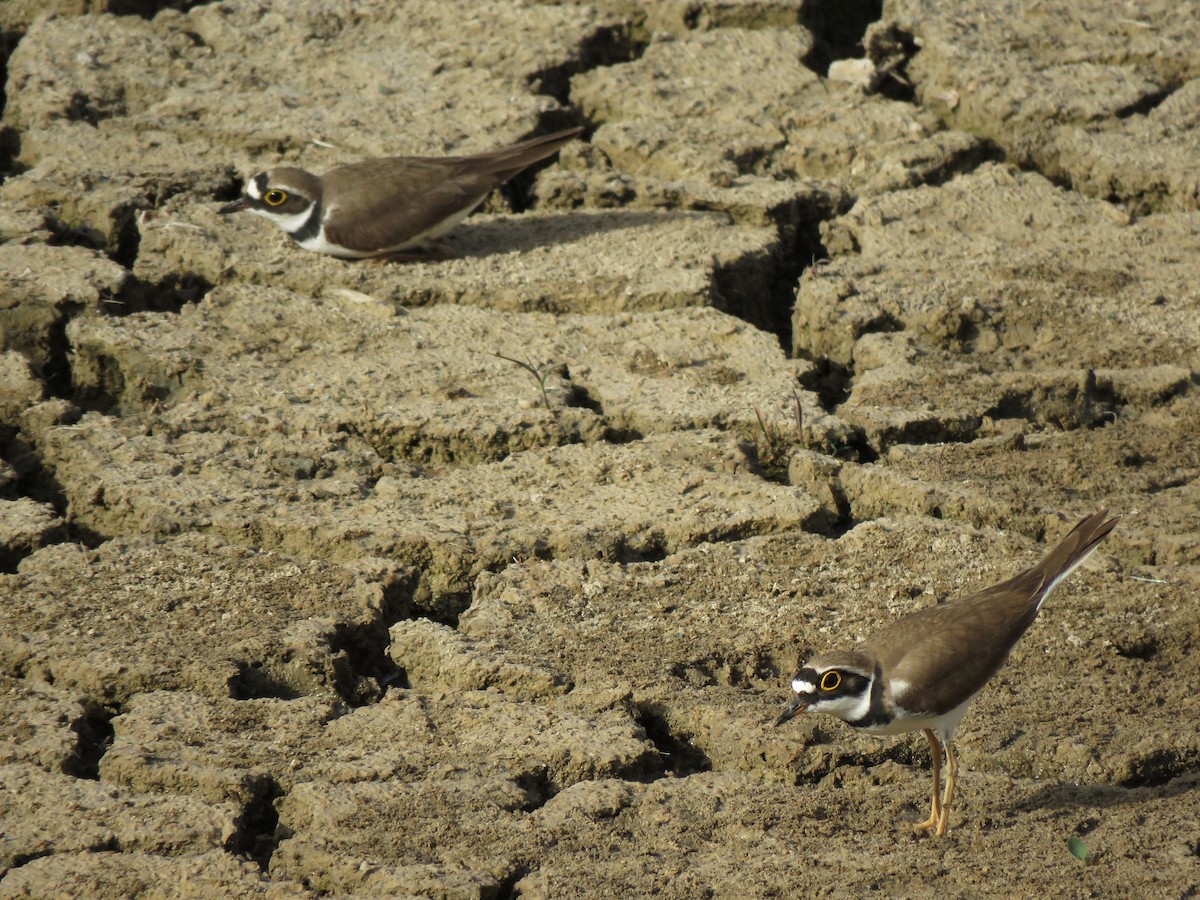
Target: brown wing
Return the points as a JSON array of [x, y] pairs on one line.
[[506, 162], [385, 203], [953, 649], [408, 196]]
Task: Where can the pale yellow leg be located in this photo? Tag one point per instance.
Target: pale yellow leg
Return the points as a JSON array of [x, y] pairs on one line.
[[936, 815], [951, 778]]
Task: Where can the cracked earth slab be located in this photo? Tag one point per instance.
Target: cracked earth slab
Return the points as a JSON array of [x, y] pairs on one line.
[[396, 459], [441, 752], [681, 112], [133, 873], [680, 17], [222, 749], [44, 287], [26, 525], [580, 500], [197, 66], [193, 613], [42, 724], [999, 297], [429, 386], [1075, 90], [20, 388], [732, 119], [1141, 463], [990, 261], [102, 817]]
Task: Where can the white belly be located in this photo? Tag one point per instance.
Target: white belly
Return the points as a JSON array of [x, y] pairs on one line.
[[905, 721]]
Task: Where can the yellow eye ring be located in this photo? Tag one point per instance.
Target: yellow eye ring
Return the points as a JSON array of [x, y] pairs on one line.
[[275, 197], [830, 681]]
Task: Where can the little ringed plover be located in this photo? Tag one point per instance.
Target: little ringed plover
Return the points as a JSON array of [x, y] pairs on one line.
[[381, 207], [921, 672]]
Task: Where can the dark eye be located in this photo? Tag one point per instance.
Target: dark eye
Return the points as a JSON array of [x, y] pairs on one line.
[[275, 197], [830, 681]]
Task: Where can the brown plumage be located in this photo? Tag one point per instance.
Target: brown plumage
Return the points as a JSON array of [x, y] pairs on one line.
[[947, 652], [410, 195], [382, 206], [921, 672]]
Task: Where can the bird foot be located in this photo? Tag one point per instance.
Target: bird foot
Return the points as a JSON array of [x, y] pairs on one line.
[[936, 823]]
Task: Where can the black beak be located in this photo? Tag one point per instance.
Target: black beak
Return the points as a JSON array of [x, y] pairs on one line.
[[236, 206], [796, 707]]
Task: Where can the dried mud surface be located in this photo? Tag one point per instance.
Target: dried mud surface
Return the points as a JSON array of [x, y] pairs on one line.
[[309, 587]]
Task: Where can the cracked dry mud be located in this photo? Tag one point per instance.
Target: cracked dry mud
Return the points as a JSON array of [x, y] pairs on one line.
[[306, 590]]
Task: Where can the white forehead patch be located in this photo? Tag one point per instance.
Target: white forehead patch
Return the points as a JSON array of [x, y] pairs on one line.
[[800, 686], [252, 189]]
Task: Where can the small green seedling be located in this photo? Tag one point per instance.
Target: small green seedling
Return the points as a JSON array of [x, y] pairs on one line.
[[1078, 848], [540, 374]]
